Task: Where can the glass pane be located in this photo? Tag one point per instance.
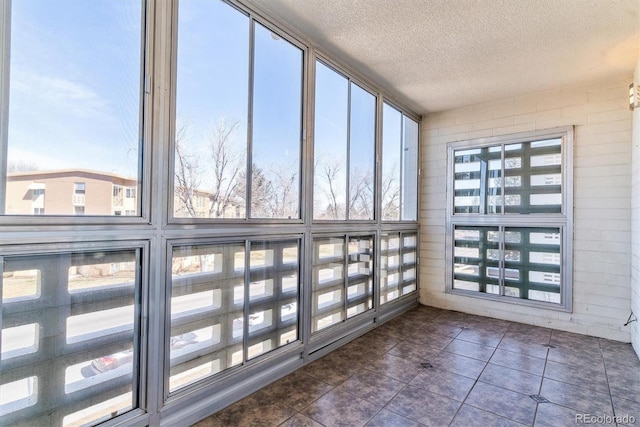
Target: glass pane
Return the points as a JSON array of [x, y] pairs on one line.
[[362, 141], [360, 275], [409, 263], [273, 296], [475, 265], [532, 264], [211, 111], [277, 127], [390, 267], [534, 177], [330, 145], [328, 282], [74, 110], [77, 336], [477, 181], [410, 170], [207, 311], [391, 169]]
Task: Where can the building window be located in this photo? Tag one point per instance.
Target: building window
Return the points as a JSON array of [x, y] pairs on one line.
[[65, 111], [510, 218], [71, 328], [344, 159], [130, 193], [222, 317], [254, 164], [399, 192], [38, 211], [342, 279]]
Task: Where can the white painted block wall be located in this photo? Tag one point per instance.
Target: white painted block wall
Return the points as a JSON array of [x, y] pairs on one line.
[[602, 201], [635, 223]]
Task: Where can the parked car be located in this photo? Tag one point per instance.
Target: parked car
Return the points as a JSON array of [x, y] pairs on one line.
[[115, 360]]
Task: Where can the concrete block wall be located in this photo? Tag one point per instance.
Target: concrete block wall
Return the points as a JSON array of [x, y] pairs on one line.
[[635, 223], [602, 201]]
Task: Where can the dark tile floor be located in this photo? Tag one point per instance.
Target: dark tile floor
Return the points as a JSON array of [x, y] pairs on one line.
[[432, 367]]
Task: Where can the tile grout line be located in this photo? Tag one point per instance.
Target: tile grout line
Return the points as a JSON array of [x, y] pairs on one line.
[[544, 369], [606, 374]]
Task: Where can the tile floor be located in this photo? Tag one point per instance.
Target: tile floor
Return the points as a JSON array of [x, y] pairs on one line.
[[432, 367]]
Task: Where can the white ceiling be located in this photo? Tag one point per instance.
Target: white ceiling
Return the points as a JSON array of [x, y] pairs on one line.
[[435, 55]]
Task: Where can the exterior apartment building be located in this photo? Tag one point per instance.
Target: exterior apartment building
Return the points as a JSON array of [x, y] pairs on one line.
[[71, 192], [305, 173]]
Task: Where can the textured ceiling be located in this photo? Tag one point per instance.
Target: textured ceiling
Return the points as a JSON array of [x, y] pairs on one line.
[[435, 55]]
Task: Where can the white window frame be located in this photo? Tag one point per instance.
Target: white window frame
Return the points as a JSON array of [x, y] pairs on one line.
[[562, 220]]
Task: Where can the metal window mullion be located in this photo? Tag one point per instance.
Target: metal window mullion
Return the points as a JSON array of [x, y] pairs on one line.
[[345, 272], [246, 300], [501, 251], [503, 182], [402, 161], [348, 171], [250, 92], [5, 58]]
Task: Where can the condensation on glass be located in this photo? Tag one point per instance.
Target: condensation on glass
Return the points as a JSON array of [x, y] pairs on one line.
[[400, 163], [70, 337], [218, 319], [342, 279], [74, 108]]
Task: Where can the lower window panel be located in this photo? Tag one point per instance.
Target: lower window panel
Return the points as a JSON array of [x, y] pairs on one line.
[[342, 279], [398, 265], [518, 262], [70, 337], [220, 315]]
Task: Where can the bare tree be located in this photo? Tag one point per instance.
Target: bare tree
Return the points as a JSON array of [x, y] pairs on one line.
[[274, 193], [207, 183], [14, 166], [390, 191], [361, 194], [326, 182], [187, 172], [227, 163]]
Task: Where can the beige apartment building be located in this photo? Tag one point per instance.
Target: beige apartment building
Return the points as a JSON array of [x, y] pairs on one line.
[[71, 192]]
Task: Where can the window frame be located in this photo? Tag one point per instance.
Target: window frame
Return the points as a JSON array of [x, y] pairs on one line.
[[144, 124], [253, 20], [502, 220]]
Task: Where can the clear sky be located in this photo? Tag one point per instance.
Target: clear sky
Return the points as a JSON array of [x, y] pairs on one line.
[[75, 84]]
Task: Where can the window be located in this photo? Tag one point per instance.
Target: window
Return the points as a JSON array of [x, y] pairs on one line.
[[75, 113], [342, 279], [218, 318], [344, 148], [399, 166], [70, 328], [241, 264], [245, 168], [510, 218]]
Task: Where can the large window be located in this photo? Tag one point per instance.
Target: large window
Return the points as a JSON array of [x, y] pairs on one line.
[[225, 165], [345, 137], [223, 314], [510, 217], [399, 184], [70, 336], [190, 207], [73, 104]]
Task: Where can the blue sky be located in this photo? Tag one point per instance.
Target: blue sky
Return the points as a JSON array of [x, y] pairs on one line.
[[75, 84]]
